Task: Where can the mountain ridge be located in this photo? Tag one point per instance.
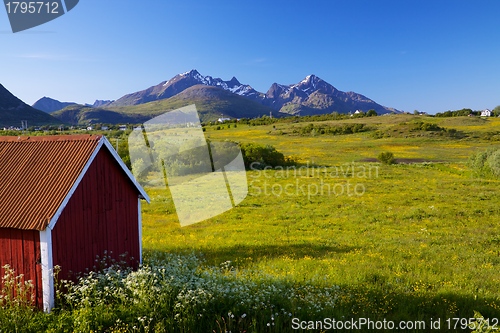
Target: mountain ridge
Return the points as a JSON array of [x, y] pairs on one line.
[[178, 84], [312, 93], [49, 105], [217, 98]]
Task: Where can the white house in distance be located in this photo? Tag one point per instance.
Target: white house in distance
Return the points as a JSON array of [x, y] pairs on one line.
[[221, 120], [486, 113]]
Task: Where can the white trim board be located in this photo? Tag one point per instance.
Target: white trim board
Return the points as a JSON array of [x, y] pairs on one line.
[[125, 169], [140, 229], [47, 269]]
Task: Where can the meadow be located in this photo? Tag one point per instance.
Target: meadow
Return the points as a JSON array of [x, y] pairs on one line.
[[337, 236], [420, 241]]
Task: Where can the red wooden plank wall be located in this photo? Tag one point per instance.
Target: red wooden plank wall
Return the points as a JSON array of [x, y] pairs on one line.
[[100, 216], [21, 250]]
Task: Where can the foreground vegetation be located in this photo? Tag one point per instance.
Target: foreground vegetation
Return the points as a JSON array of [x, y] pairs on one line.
[[337, 235]]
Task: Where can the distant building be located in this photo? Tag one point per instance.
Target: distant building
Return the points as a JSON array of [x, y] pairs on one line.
[[122, 127], [486, 113], [221, 120]]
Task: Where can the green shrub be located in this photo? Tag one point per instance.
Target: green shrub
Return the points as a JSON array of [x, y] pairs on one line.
[[260, 156], [486, 163], [493, 163], [386, 158]]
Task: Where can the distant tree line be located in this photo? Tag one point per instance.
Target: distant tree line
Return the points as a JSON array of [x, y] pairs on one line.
[[458, 113], [266, 120], [317, 129], [465, 112]]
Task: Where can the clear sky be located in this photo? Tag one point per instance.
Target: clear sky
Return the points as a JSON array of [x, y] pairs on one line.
[[408, 54]]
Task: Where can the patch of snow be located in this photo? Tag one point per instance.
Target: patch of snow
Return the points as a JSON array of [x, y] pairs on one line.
[[306, 80], [199, 77]]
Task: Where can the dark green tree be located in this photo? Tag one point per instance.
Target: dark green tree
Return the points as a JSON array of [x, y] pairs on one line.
[[496, 111]]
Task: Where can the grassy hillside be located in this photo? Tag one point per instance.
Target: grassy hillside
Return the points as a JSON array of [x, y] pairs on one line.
[[83, 115], [13, 117], [212, 103]]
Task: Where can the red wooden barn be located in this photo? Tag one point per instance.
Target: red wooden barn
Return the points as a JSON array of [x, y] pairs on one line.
[[64, 200]]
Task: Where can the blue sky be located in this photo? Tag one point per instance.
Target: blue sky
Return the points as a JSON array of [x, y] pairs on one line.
[[426, 55]]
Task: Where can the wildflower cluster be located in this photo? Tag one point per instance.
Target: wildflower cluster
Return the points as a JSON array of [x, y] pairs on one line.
[[180, 293], [15, 291]]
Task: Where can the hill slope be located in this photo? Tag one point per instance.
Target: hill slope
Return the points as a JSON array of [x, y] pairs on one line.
[[13, 111], [85, 115], [211, 102]]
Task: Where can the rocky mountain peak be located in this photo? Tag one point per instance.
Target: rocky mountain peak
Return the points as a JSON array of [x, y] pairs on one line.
[[312, 95], [234, 82]]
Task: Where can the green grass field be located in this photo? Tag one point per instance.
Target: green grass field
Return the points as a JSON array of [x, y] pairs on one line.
[[338, 237], [417, 240]]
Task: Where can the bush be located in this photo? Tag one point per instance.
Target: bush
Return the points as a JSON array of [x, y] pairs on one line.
[[486, 164], [493, 163], [386, 158], [260, 156]]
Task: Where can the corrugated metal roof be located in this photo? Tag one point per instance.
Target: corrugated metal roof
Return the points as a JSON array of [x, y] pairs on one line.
[[37, 173]]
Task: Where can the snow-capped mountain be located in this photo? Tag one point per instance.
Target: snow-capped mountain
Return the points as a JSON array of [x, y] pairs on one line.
[[181, 82], [312, 95]]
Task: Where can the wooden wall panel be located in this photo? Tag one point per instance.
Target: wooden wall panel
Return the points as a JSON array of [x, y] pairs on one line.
[[20, 249], [101, 216]]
